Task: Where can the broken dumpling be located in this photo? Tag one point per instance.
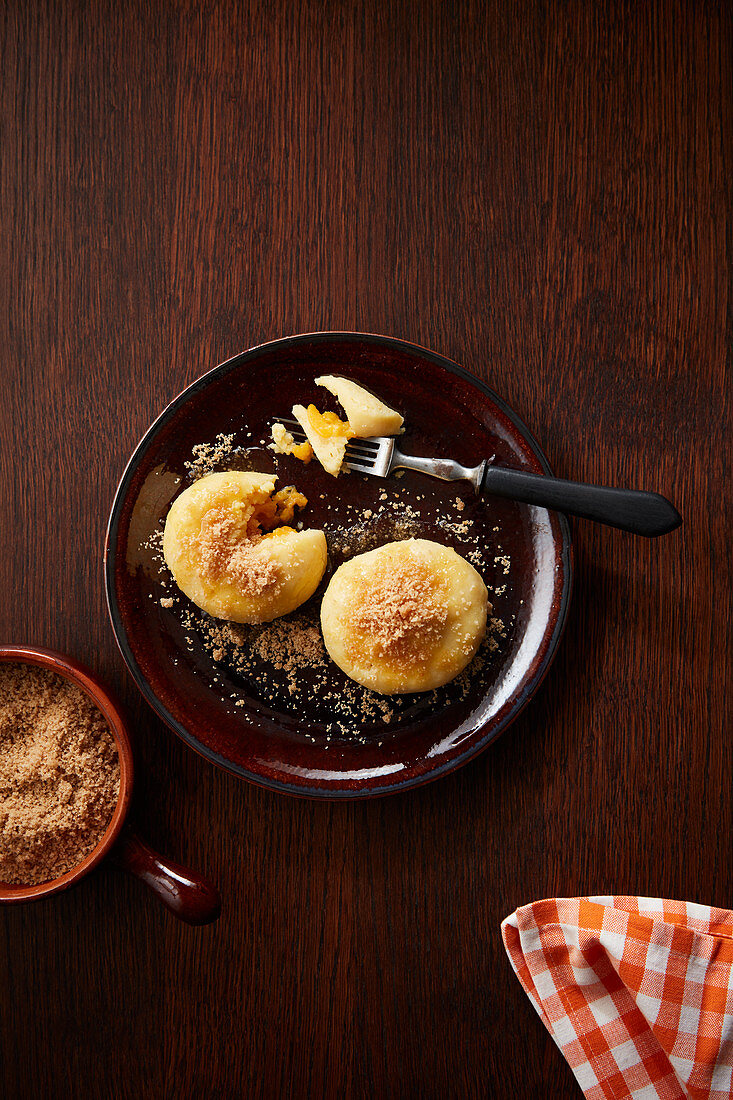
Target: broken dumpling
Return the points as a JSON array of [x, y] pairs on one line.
[[283, 443], [367, 415], [223, 545], [327, 435]]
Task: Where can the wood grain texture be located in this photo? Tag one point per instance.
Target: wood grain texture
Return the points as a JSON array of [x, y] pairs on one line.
[[539, 190]]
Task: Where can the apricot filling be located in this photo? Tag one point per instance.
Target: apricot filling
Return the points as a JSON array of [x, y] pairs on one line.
[[328, 425]]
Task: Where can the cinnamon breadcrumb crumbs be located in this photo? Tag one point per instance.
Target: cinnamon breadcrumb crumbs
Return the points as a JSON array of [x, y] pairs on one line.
[[221, 554], [400, 607], [207, 457], [59, 774]]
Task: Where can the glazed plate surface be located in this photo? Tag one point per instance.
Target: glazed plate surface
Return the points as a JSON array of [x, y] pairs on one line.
[[311, 731]]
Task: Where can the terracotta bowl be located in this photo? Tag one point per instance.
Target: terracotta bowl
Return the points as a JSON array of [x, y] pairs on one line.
[[189, 896], [283, 742]]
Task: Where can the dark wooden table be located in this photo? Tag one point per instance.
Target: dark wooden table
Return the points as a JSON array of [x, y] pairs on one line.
[[537, 190]]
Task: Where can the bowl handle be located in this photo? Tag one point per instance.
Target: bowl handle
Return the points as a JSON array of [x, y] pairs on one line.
[[188, 895]]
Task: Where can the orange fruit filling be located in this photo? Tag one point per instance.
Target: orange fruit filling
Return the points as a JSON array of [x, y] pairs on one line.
[[328, 425]]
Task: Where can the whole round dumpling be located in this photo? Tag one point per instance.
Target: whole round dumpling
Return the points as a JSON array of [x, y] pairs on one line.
[[408, 616], [217, 546]]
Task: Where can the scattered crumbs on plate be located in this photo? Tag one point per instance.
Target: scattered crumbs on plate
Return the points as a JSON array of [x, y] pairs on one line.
[[279, 662], [206, 457], [504, 562], [454, 527], [154, 543]]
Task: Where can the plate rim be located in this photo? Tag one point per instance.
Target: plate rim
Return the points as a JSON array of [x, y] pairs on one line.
[[566, 556]]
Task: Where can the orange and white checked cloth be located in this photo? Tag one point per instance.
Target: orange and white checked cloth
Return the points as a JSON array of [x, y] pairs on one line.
[[636, 992]]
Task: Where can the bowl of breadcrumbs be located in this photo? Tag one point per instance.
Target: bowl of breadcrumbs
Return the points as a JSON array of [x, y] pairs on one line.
[[66, 773]]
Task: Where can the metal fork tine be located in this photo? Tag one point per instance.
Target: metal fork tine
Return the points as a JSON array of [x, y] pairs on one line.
[[358, 468], [291, 422], [362, 452]]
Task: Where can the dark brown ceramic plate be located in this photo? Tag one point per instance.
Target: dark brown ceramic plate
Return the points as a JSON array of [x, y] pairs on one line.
[[316, 733]]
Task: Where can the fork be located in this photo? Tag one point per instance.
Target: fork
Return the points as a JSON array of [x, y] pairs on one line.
[[641, 513]]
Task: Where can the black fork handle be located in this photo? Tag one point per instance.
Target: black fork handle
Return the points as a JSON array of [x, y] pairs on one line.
[[642, 513]]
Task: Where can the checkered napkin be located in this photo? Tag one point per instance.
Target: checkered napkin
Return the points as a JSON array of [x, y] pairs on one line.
[[636, 992]]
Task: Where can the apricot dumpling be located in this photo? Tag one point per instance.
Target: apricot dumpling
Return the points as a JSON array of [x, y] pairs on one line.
[[408, 616], [222, 544]]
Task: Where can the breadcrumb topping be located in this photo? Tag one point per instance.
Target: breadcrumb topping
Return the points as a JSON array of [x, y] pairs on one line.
[[227, 545], [400, 606], [226, 548]]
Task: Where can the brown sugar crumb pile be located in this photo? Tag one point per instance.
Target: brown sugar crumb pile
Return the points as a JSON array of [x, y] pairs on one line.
[[59, 775], [289, 646], [399, 607], [284, 662]]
